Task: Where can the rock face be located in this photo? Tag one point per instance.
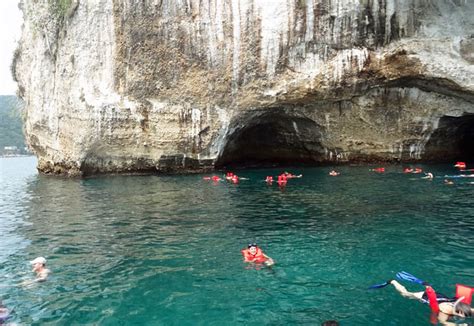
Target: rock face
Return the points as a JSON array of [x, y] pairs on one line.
[[182, 85]]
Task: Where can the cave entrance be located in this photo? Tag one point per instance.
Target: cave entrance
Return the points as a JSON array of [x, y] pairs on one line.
[[453, 140], [271, 138]]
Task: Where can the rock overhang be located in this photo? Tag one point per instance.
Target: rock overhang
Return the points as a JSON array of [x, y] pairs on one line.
[[161, 87]]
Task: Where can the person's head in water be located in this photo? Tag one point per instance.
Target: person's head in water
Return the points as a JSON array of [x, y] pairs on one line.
[[38, 263], [39, 267], [252, 248], [463, 310]]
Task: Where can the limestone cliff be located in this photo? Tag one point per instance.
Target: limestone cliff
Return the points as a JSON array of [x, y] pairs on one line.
[[181, 85]]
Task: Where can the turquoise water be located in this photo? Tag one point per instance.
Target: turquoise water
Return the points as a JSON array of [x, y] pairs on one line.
[[165, 250]]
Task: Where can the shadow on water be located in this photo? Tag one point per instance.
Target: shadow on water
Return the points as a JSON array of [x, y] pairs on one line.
[[166, 250]]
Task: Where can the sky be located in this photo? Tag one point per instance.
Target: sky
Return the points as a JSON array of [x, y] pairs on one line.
[[10, 31]]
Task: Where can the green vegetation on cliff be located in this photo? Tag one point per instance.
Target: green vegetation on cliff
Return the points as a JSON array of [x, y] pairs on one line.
[[11, 133], [60, 8]]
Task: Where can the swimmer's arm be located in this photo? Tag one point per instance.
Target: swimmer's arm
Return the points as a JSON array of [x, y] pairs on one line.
[[269, 260], [40, 278], [30, 282], [25, 283], [404, 292]]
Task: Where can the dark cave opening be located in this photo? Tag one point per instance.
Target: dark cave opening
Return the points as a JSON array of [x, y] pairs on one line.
[[271, 138], [453, 140]]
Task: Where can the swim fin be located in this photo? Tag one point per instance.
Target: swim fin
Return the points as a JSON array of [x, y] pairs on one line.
[[410, 278], [378, 286]]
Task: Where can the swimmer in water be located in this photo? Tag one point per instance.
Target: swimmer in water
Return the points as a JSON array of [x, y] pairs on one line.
[[253, 254], [379, 170], [334, 173], [428, 176], [291, 176], [282, 179], [447, 306], [39, 267], [448, 182]]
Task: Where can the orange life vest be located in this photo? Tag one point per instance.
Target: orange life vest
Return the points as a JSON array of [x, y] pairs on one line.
[[258, 257], [466, 292]]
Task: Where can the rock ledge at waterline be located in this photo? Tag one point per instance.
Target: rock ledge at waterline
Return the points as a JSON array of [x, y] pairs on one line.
[[170, 86]]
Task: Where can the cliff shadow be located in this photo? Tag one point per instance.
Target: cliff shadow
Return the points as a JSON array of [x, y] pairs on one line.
[[452, 140], [271, 137]]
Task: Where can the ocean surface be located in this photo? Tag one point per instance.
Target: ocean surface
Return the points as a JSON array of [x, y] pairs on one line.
[[165, 250]]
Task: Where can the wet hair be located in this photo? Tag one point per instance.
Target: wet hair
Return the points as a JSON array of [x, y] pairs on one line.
[[252, 245], [462, 308]]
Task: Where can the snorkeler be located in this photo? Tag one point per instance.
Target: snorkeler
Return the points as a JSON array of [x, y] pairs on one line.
[[253, 254], [379, 170], [441, 305], [289, 175], [214, 178], [428, 175], [282, 180]]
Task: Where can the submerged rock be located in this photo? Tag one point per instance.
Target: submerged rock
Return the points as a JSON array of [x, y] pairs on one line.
[[165, 85]]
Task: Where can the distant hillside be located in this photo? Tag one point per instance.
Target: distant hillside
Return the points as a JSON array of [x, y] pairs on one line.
[[11, 133]]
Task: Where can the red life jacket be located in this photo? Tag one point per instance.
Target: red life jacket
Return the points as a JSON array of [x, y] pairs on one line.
[[461, 165], [258, 257]]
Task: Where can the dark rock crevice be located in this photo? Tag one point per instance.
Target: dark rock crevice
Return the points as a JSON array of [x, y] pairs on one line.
[[274, 137], [452, 140]]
